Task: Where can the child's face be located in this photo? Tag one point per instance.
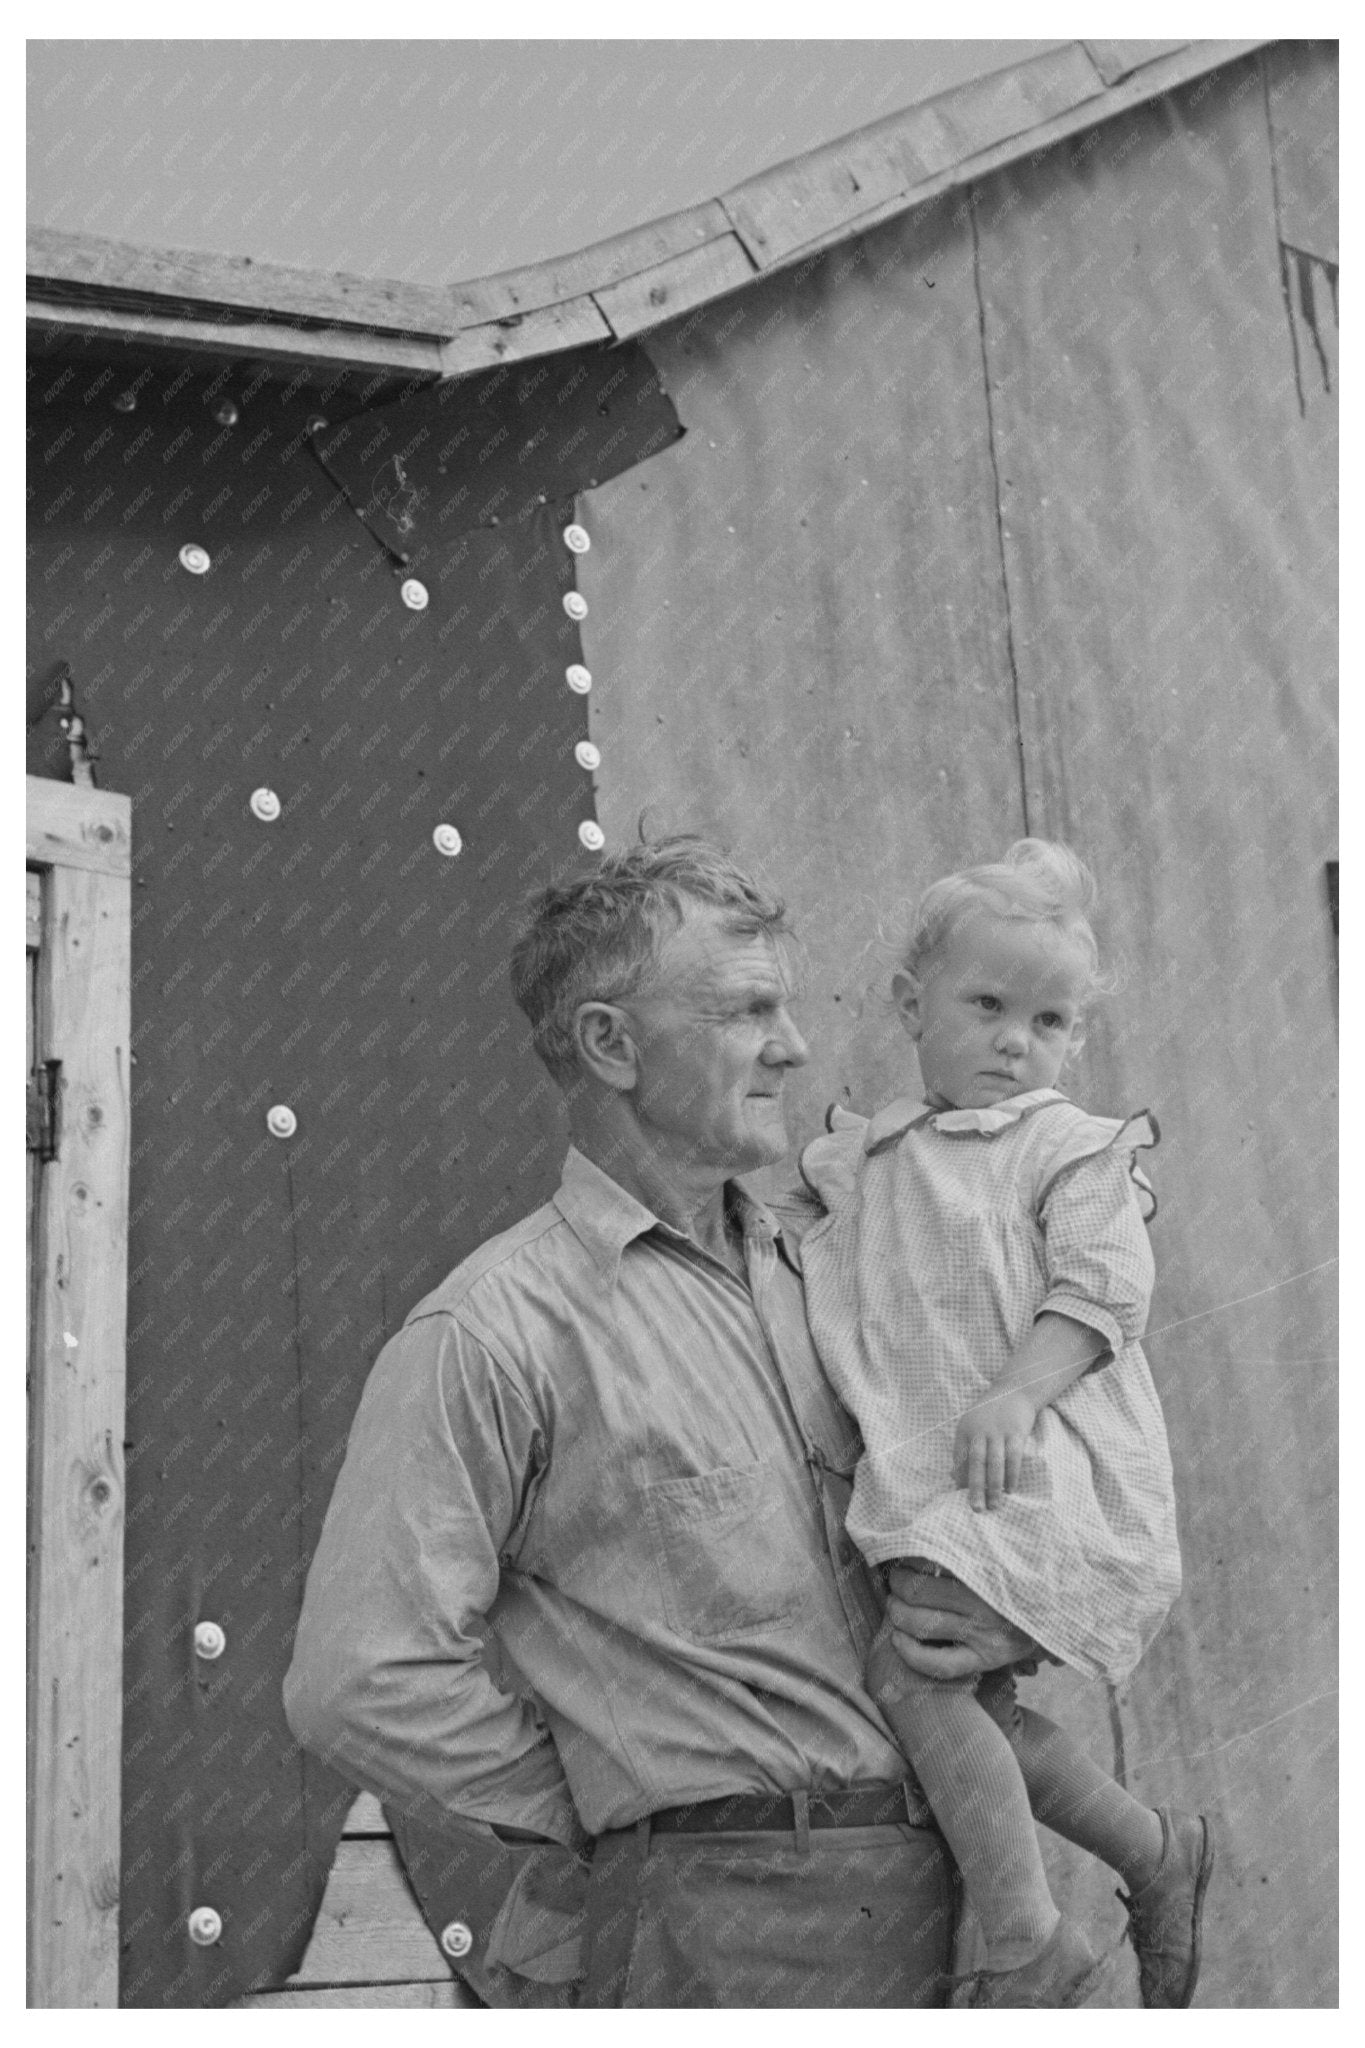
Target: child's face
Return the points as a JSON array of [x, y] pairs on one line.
[[996, 1010]]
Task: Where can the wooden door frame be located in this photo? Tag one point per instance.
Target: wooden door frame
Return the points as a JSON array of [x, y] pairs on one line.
[[80, 839]]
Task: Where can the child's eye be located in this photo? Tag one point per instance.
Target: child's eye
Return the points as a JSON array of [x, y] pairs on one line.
[[1050, 1021], [991, 1003]]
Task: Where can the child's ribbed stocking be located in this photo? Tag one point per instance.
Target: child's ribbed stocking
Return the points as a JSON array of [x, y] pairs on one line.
[[1071, 1795], [973, 1782]]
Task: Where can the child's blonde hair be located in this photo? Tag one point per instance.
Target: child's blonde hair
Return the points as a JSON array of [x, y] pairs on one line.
[[1038, 880]]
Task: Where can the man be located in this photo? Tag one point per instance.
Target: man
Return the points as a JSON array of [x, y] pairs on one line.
[[583, 1612]]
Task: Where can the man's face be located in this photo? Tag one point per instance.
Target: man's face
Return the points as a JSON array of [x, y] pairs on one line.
[[715, 1040]]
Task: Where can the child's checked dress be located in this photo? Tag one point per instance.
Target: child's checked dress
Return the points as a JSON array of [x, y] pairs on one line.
[[948, 1232]]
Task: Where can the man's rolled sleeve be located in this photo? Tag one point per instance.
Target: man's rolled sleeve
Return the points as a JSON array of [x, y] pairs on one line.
[[389, 1680], [1099, 1262]]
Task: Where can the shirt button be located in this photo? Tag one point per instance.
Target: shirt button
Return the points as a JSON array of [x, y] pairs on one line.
[[205, 1926], [576, 539], [578, 678], [456, 1940], [575, 604]]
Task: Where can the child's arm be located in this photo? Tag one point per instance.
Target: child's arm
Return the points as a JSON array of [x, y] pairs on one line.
[[991, 1436], [1099, 1266]]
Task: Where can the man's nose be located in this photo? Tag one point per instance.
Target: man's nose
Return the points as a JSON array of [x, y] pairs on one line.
[[786, 1047]]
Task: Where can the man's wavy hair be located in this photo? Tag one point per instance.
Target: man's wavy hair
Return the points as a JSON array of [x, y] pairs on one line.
[[598, 937]]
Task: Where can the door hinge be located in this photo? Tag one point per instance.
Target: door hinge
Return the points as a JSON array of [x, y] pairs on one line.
[[44, 1090]]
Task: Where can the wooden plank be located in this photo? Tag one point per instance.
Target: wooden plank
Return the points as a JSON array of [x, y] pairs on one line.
[[366, 1817], [589, 270], [33, 932], [218, 280], [443, 1997], [1116, 60], [783, 215], [78, 828], [784, 208], [270, 341], [524, 336], [638, 303], [1163, 76], [77, 1416], [369, 1928]]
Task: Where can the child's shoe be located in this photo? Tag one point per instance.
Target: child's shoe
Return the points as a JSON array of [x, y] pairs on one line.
[[1165, 1918], [1061, 1974]]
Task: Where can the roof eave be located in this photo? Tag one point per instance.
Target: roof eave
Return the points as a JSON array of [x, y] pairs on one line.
[[84, 286]]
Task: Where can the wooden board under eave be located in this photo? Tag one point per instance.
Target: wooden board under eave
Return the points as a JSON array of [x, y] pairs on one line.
[[426, 1997], [76, 1409]]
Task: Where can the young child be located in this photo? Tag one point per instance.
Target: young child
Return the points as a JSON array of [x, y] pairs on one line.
[[976, 1292]]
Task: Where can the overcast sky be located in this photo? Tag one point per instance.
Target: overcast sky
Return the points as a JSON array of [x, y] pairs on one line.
[[438, 161]]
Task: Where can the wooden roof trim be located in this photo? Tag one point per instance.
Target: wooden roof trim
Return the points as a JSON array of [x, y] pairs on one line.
[[104, 268], [262, 340], [630, 283], [1160, 77]]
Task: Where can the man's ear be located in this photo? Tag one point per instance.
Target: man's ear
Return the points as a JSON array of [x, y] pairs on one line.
[[905, 991], [606, 1049]]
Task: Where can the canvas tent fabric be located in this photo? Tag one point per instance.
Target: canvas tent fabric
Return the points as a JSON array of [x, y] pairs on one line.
[[332, 961], [1007, 518]]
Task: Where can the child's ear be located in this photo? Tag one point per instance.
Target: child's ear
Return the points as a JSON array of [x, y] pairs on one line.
[[1076, 1041], [905, 990]]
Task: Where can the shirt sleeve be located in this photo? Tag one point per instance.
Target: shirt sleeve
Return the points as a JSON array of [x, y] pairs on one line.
[[391, 1679], [1099, 1262]]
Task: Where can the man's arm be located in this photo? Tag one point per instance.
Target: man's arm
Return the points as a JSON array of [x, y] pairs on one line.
[[389, 1681]]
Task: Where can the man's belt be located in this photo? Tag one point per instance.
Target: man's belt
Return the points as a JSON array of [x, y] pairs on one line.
[[859, 1806]]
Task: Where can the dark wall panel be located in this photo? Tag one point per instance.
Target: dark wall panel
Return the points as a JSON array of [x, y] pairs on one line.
[[330, 960]]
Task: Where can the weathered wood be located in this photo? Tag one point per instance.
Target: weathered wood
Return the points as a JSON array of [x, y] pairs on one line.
[[783, 215], [77, 1407], [266, 340], [33, 934], [1116, 60], [786, 207], [589, 270], [451, 1994], [1162, 76], [217, 280], [369, 1929], [523, 336], [366, 1817], [78, 828], [641, 302]]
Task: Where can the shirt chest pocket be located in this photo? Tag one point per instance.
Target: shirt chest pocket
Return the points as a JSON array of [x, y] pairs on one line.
[[729, 1556]]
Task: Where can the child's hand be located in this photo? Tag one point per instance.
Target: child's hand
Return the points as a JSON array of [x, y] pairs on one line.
[[989, 1449]]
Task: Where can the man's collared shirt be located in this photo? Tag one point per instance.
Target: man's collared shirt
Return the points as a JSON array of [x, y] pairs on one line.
[[586, 1558]]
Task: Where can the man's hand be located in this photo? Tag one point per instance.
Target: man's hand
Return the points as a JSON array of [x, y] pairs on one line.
[[989, 1449], [941, 1629]]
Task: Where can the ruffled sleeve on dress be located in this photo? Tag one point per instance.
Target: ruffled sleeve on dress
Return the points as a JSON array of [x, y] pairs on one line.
[[829, 1164], [1093, 1210]]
